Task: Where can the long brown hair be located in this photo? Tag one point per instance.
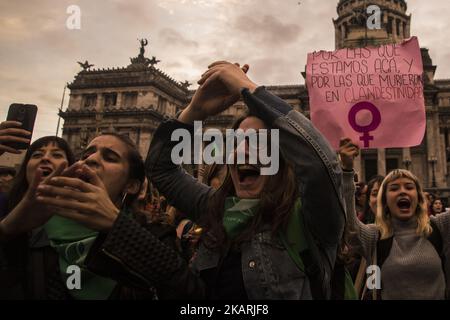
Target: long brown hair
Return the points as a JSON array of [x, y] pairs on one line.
[[277, 200]]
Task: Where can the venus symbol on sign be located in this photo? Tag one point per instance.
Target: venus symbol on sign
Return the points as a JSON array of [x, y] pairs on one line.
[[376, 120]]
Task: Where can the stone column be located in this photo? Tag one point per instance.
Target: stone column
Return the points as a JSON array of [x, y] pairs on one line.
[[402, 35], [99, 113], [119, 100], [384, 18], [442, 163], [407, 160], [394, 28], [381, 162], [439, 150], [342, 39], [407, 28], [431, 145], [447, 180], [337, 36], [100, 102]]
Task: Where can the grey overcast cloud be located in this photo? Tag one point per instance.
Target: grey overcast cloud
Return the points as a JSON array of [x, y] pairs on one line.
[[39, 53]]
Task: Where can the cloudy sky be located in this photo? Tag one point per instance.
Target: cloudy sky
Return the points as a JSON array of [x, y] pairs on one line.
[[38, 53]]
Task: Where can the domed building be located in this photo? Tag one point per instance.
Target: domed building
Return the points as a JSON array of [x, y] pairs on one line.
[[351, 27], [136, 98]]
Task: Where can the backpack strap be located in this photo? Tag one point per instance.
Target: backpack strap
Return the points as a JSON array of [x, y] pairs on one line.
[[382, 253], [338, 282], [383, 249], [436, 239], [361, 277], [314, 274], [302, 250], [306, 263]]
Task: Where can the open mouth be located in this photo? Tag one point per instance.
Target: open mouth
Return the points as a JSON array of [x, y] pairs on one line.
[[46, 171], [404, 204], [248, 173]]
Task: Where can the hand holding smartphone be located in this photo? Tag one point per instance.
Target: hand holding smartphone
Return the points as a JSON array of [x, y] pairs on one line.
[[16, 131]]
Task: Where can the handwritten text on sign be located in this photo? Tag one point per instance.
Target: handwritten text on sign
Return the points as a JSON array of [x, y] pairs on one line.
[[372, 95]]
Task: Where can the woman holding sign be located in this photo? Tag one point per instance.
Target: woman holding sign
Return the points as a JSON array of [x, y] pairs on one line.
[[405, 249]]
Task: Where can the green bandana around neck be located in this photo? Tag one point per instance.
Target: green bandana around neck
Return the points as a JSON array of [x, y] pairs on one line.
[[72, 242], [239, 212], [237, 215]]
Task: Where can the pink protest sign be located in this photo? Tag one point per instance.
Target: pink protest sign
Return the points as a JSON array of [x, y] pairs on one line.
[[372, 95]]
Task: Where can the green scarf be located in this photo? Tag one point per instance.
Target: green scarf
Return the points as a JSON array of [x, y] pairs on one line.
[[239, 212], [72, 242]]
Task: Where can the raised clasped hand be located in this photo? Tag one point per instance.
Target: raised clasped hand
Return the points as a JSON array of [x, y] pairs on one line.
[[220, 87]]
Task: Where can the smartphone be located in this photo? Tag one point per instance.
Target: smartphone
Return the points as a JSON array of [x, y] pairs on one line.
[[26, 114]]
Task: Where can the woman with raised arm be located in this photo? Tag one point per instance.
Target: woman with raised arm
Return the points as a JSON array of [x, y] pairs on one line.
[[409, 247], [266, 236]]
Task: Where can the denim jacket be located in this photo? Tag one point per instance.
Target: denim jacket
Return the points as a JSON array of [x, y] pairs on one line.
[[268, 270]]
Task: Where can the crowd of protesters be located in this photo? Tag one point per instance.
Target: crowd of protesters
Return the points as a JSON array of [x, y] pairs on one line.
[[150, 230]]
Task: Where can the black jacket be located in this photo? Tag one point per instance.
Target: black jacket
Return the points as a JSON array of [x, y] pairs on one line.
[[34, 273]]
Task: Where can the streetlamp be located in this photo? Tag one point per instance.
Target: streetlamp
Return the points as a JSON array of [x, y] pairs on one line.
[[407, 163], [433, 160]]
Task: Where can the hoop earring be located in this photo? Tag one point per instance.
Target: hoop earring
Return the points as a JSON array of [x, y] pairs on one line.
[[123, 200]]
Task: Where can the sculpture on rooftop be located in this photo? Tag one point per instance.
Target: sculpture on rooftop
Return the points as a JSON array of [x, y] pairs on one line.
[[186, 84], [141, 61], [143, 42], [86, 65], [359, 17], [153, 61]]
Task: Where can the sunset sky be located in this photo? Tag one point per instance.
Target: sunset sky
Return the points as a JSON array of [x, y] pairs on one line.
[[38, 53]]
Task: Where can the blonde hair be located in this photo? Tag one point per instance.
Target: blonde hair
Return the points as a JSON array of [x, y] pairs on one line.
[[383, 217]]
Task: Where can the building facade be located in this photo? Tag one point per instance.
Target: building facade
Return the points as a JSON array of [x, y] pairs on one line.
[[132, 100], [135, 99]]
